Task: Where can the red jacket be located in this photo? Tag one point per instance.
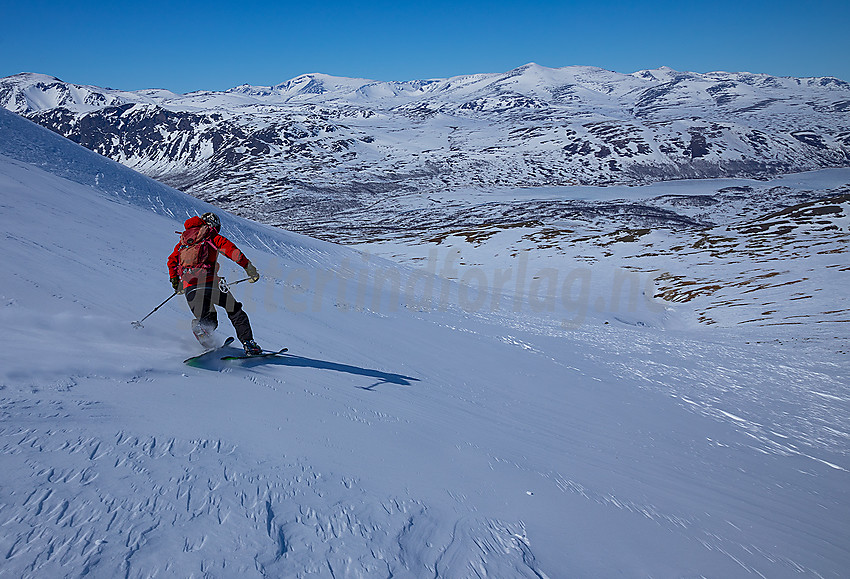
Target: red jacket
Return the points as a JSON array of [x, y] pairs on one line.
[[221, 244]]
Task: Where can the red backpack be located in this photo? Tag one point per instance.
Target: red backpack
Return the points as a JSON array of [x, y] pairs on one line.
[[196, 249]]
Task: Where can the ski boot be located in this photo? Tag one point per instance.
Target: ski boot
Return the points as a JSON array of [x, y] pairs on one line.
[[203, 335], [251, 348]]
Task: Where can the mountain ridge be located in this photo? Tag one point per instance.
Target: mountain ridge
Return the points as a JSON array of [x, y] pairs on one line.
[[333, 144], [308, 83]]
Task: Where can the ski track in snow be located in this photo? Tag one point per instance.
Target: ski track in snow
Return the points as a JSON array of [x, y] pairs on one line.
[[744, 392], [730, 383]]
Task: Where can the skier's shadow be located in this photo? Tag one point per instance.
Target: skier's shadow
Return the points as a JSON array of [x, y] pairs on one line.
[[302, 362]]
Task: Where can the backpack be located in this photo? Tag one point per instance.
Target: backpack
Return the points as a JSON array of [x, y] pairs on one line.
[[196, 249]]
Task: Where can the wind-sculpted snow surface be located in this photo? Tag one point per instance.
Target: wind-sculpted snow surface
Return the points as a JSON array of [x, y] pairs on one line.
[[401, 438], [108, 503]]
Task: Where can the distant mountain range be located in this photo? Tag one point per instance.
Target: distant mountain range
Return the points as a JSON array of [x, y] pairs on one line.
[[318, 146]]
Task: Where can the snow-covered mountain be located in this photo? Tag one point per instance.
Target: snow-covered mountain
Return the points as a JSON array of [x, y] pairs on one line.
[[319, 146], [415, 429]]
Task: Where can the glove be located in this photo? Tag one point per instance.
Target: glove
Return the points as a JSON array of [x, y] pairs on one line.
[[175, 283], [252, 272]]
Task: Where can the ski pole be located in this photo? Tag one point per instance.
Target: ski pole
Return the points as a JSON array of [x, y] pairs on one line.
[[138, 324], [224, 285]]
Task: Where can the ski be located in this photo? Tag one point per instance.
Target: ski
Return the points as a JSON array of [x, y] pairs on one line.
[[227, 342], [263, 355]]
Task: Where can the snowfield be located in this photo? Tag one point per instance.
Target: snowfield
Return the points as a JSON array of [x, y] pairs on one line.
[[415, 429]]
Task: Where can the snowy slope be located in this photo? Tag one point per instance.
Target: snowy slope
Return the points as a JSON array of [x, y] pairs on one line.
[[397, 439]]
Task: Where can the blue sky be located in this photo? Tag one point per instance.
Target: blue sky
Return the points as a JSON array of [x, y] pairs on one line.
[[185, 46]]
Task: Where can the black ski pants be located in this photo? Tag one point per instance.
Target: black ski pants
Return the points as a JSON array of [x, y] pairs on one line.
[[202, 301]]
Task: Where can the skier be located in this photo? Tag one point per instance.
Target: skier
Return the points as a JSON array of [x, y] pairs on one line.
[[193, 268]]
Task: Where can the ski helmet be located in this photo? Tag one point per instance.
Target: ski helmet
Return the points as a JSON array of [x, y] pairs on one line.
[[212, 220]]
